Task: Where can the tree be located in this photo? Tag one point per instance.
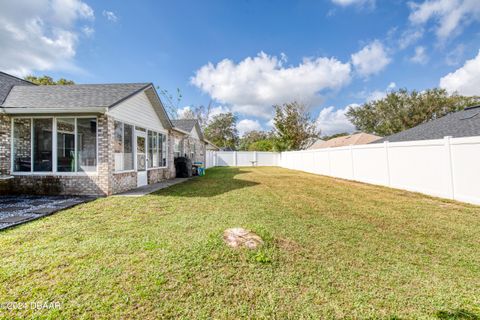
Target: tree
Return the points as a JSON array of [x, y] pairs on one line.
[[263, 145], [171, 102], [48, 81], [200, 113], [251, 137], [403, 109], [222, 130], [294, 129]]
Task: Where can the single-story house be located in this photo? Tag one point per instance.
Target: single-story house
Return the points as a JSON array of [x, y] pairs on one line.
[[352, 139], [465, 123], [188, 140], [88, 139]]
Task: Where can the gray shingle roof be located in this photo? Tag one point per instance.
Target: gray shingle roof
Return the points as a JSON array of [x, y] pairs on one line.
[[7, 82], [458, 124], [70, 96], [184, 124]]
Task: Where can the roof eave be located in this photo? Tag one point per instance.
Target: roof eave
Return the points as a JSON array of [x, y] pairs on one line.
[[53, 110]]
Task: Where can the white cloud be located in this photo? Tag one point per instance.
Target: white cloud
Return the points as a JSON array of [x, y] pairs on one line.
[[420, 55], [465, 80], [246, 125], [345, 3], [88, 31], [331, 121], [110, 15], [409, 37], [450, 16], [371, 59], [41, 34], [455, 57], [379, 94], [253, 85]]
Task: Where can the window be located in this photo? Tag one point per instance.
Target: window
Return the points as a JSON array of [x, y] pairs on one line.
[[66, 145], [178, 147], [164, 149], [75, 149], [127, 147], [123, 146], [22, 152], [42, 145], [87, 144], [157, 155]]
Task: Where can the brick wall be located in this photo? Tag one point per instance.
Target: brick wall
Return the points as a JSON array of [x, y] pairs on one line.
[[5, 147], [106, 182]]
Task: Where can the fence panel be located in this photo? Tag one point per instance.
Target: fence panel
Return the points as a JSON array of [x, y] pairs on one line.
[[446, 167]]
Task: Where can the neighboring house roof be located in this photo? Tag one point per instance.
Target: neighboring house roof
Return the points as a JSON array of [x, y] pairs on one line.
[[184, 124], [7, 82], [317, 144], [187, 125], [70, 96], [353, 139], [465, 123]]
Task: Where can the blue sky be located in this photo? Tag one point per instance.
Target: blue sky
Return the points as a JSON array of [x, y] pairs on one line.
[[328, 54]]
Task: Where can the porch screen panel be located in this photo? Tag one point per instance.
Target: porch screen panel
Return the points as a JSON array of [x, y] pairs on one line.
[[66, 144], [87, 144], [22, 148], [118, 145], [42, 145], [128, 147], [152, 148]]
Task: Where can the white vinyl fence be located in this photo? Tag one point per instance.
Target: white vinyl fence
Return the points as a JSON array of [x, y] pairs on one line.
[[448, 168], [242, 158]]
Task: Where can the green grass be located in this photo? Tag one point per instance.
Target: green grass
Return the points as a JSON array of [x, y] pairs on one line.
[[333, 249]]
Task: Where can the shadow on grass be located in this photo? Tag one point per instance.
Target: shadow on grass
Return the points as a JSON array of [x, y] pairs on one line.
[[217, 181], [459, 314]]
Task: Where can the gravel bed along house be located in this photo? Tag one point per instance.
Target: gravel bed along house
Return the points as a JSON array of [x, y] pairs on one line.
[[15, 210]]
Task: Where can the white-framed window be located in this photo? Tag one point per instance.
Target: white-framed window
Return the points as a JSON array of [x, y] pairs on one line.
[[157, 149], [54, 144], [178, 147], [123, 145]]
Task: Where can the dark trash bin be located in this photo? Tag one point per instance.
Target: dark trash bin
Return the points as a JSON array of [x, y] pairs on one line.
[[183, 167]]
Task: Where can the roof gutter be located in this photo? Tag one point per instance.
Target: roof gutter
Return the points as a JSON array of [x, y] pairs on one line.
[[53, 110]]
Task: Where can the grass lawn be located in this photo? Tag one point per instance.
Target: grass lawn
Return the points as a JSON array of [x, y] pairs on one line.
[[333, 249]]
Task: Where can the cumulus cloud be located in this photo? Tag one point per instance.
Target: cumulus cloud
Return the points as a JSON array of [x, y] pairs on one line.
[[41, 34], [420, 55], [371, 59], [110, 15], [331, 121], [465, 80], [345, 3], [246, 125], [449, 16], [253, 85], [380, 94]]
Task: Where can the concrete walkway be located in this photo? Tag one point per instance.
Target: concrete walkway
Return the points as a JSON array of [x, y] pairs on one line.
[[150, 188]]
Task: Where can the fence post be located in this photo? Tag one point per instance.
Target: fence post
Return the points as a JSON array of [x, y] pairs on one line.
[[387, 162], [449, 167], [234, 158]]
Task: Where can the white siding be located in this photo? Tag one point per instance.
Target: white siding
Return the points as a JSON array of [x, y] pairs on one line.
[[139, 111], [194, 133]]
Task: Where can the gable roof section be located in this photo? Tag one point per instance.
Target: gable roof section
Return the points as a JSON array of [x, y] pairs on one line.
[[7, 82], [69, 97], [465, 123], [157, 104], [188, 125]]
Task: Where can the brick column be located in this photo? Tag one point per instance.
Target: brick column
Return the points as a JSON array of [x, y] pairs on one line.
[[5, 144]]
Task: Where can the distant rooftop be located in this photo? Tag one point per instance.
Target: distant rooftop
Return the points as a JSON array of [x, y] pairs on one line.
[[465, 123]]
